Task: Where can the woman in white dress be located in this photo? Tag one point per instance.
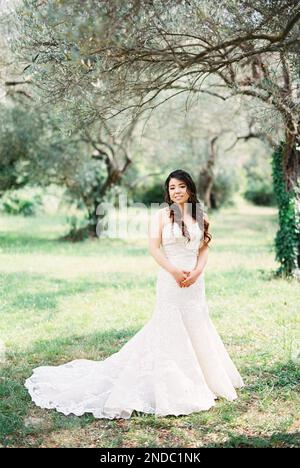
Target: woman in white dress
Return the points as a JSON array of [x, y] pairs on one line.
[[176, 363]]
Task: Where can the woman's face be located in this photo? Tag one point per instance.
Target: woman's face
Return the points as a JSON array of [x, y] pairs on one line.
[[178, 191]]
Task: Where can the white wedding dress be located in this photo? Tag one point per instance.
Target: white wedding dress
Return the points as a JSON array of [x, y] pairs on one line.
[[175, 364]]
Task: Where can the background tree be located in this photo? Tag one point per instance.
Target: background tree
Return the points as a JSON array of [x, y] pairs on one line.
[[130, 53], [36, 149]]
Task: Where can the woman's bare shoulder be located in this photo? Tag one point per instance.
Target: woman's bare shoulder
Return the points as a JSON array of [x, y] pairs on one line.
[[159, 216], [165, 214], [158, 219], [159, 213]]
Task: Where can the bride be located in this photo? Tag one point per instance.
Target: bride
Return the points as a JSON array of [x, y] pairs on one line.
[[176, 363]]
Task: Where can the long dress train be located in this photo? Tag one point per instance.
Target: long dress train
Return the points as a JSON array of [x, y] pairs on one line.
[[175, 364]]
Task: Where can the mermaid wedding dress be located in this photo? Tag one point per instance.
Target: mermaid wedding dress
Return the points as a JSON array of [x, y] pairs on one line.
[[175, 364]]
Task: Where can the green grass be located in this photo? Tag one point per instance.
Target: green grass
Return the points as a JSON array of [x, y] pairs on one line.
[[62, 301]]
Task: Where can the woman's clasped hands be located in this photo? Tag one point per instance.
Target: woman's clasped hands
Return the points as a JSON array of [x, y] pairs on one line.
[[186, 278]]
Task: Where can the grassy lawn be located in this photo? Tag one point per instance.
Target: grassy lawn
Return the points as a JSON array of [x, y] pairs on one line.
[[62, 301]]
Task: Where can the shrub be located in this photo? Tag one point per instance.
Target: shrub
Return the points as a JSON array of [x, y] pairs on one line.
[[224, 186], [149, 194], [25, 202], [260, 190]]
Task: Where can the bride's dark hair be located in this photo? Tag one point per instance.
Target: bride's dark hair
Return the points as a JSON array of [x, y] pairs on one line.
[[194, 207]]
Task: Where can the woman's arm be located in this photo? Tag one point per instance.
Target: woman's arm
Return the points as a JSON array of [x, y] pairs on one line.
[[201, 262], [202, 254], [155, 238], [202, 258], [154, 241]]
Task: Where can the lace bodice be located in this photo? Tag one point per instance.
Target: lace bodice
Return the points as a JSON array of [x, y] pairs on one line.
[[174, 244]]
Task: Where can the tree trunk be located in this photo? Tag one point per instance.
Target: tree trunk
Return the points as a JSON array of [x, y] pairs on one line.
[[92, 200], [286, 179], [206, 177], [94, 220]]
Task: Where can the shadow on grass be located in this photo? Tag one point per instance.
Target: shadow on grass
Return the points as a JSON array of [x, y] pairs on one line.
[[282, 375], [24, 243], [16, 403], [276, 440], [15, 242], [16, 288]]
